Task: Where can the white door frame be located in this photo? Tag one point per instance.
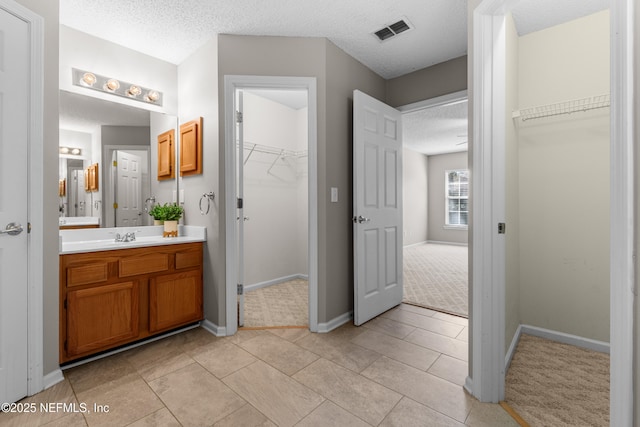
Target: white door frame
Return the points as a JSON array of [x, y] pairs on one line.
[[231, 84], [488, 324], [35, 214]]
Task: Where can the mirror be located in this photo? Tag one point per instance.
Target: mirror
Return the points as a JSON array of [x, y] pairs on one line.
[[107, 163]]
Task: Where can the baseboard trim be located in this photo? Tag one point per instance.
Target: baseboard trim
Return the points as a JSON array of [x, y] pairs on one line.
[[276, 281], [437, 242], [512, 348], [424, 242], [209, 326], [334, 323], [588, 343], [468, 385], [52, 378], [561, 337]]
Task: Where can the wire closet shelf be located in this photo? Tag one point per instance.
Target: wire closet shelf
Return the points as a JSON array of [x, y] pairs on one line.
[[566, 107]]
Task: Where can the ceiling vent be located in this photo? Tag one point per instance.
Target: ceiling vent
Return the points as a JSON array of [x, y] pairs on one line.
[[393, 30]]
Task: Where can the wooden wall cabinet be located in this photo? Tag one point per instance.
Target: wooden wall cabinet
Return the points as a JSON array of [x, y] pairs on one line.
[[91, 178], [191, 147], [111, 298], [166, 156]]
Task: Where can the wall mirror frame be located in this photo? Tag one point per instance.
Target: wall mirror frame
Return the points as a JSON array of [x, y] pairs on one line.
[[118, 144]]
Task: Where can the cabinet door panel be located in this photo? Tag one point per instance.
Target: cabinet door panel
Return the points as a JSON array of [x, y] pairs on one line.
[[102, 316], [174, 300], [89, 273], [165, 155]]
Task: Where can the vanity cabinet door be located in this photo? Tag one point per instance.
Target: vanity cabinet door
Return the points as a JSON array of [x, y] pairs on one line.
[[101, 317], [175, 300], [165, 155]]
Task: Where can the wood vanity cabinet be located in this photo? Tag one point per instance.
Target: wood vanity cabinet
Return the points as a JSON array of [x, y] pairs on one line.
[[111, 298]]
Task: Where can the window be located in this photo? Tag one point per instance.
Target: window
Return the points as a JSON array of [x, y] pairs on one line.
[[457, 195]]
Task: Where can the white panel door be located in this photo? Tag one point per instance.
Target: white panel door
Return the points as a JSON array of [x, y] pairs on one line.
[[377, 207], [14, 137], [128, 189]]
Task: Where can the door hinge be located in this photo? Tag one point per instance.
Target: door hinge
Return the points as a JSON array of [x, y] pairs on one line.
[[115, 163], [239, 204], [238, 116], [502, 228], [28, 227], [115, 206], [65, 304], [65, 345], [240, 289]]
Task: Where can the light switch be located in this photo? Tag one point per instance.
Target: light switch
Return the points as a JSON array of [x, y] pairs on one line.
[[174, 196], [181, 196], [334, 194]]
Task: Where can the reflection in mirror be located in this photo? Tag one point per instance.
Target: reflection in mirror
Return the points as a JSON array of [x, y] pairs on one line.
[[117, 141]]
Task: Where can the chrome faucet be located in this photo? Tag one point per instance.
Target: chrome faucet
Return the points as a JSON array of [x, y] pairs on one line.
[[128, 237]]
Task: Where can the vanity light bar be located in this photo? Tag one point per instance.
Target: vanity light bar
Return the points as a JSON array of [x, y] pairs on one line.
[[116, 87], [70, 150]]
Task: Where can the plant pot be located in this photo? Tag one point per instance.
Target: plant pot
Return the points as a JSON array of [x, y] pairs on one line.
[[158, 222], [170, 229]]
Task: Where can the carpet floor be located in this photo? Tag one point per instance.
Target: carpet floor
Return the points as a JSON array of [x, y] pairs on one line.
[[554, 384], [284, 304], [435, 276]]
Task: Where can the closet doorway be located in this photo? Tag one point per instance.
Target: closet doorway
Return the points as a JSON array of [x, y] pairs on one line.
[[274, 206], [273, 186]]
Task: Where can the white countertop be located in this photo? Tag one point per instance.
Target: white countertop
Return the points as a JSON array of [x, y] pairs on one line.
[[103, 239]]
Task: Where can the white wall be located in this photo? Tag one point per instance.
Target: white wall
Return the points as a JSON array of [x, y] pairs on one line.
[[274, 201], [564, 181], [83, 51], [437, 165], [414, 197], [512, 199]]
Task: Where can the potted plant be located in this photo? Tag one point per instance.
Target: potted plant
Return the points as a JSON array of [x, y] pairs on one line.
[[158, 214], [171, 213]]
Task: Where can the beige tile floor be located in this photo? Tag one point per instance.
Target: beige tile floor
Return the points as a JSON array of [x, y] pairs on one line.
[[404, 368]]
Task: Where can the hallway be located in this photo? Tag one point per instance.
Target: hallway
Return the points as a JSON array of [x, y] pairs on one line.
[[405, 367]]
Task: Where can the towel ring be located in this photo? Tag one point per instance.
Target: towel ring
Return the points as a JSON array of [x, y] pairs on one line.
[[209, 197]]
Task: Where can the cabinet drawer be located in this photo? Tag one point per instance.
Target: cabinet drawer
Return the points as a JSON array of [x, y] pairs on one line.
[[88, 273], [187, 259], [143, 264]]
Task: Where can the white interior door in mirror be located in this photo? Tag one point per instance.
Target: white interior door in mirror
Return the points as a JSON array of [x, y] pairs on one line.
[[128, 189]]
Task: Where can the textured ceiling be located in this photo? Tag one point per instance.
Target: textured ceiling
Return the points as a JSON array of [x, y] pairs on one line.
[[535, 15], [171, 30], [436, 130]]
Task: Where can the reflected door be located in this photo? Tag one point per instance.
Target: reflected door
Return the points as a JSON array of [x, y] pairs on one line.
[[128, 188]]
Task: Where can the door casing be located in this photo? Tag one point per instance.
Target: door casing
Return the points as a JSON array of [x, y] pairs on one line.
[[238, 82], [35, 185]]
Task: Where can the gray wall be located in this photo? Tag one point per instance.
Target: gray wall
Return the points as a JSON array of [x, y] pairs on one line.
[[437, 165], [344, 74], [49, 11], [437, 80], [414, 197]]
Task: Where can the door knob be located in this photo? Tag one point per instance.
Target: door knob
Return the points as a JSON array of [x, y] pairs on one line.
[[12, 229], [360, 219]]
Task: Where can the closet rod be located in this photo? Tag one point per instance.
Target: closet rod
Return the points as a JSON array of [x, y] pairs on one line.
[[566, 107]]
